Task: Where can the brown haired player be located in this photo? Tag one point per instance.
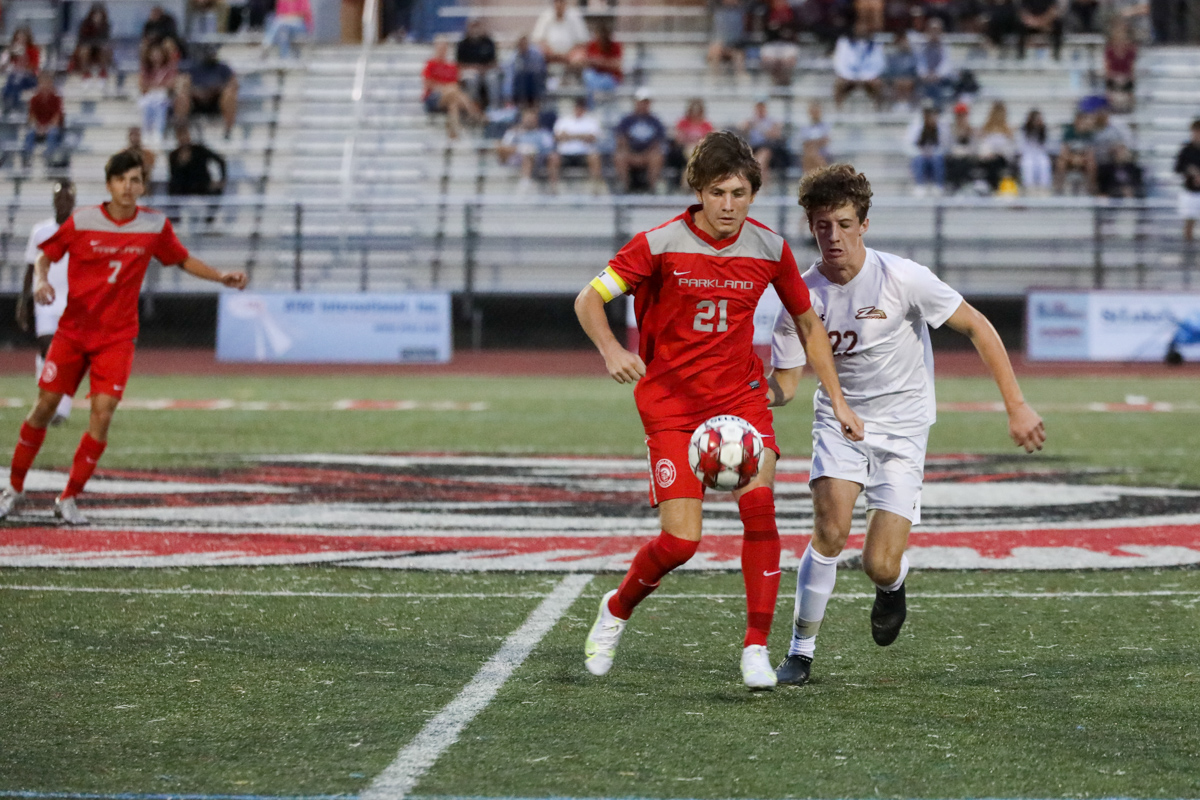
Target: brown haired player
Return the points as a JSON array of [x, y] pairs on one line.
[[110, 246], [696, 281], [876, 307]]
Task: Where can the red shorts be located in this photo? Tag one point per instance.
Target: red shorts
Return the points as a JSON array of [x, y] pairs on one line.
[[67, 361], [671, 476]]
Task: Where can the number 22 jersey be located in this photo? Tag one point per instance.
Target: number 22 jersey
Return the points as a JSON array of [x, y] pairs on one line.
[[694, 299]]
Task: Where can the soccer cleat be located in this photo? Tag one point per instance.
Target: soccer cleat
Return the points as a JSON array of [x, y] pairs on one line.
[[603, 639], [794, 671], [10, 501], [756, 668], [66, 510], [887, 615]]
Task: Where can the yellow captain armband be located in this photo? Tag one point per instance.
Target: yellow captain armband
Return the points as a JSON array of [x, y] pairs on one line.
[[609, 284]]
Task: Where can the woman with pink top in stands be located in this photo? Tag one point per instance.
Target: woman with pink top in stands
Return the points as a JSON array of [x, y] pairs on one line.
[[292, 18]]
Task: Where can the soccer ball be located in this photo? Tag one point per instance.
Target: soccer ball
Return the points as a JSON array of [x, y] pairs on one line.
[[725, 452]]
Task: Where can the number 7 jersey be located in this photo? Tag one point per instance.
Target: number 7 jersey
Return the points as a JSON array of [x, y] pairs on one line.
[[104, 276], [694, 299]]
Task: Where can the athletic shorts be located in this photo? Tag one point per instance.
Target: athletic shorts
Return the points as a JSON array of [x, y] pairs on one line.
[[433, 101], [890, 468], [671, 476], [67, 361], [1189, 204]]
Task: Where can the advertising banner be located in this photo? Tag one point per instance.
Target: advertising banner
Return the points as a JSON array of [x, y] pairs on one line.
[[1113, 326]]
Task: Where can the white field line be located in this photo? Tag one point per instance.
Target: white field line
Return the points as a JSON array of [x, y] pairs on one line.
[[399, 778]]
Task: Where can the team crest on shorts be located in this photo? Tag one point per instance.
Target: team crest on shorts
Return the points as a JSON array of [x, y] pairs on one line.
[[49, 372], [664, 472]]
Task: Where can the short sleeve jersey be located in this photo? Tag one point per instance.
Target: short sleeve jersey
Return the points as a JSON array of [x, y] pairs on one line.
[[694, 300], [57, 277], [108, 262], [878, 328]]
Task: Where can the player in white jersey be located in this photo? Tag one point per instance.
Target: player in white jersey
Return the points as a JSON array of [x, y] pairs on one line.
[[45, 317], [877, 308]]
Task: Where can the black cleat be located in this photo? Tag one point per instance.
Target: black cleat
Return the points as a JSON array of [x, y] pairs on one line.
[[793, 671], [887, 615]]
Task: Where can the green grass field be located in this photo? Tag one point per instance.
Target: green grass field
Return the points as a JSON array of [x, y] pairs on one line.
[[289, 681]]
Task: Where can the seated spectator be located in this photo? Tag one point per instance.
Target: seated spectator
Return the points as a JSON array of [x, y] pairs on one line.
[[689, 130], [577, 138], [45, 121], [156, 80], [148, 156], [21, 62], [814, 141], [525, 75], [641, 138], [1003, 21], [562, 35], [442, 92], [476, 57], [93, 55], [934, 67], [1083, 12], [1108, 132], [207, 87], [943, 11], [527, 146], [962, 160], [190, 170], [1136, 16], [1120, 63], [160, 26], [603, 73], [858, 62], [1036, 165], [971, 17], [292, 18], [765, 136], [901, 71], [779, 50], [828, 20], [728, 35], [1121, 177], [1040, 18], [997, 146], [927, 142], [1075, 171], [203, 16]]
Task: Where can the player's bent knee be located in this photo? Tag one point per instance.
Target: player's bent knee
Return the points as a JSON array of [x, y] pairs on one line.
[[880, 571]]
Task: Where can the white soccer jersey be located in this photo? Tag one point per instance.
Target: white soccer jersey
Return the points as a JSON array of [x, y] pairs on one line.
[[46, 317], [877, 328]]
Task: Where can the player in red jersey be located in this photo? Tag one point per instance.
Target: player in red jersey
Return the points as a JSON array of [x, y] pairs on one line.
[[696, 282], [110, 247]]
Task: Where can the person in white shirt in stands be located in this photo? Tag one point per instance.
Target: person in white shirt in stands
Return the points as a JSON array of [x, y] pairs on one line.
[[576, 138], [858, 61], [877, 308], [562, 34]]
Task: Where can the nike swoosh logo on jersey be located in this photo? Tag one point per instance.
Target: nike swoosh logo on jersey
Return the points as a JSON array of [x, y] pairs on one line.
[[769, 574], [870, 312], [94, 242], [677, 272]]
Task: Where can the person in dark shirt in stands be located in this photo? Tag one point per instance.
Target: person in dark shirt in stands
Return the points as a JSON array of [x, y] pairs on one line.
[[45, 120], [207, 87], [641, 140], [1187, 164], [1040, 17], [1122, 176], [160, 25], [190, 169], [476, 57]]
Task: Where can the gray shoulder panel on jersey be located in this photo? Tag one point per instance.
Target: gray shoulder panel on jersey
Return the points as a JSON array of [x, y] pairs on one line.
[[93, 219], [754, 242]]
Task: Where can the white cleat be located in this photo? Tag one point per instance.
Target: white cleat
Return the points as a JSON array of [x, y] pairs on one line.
[[66, 510], [757, 672], [602, 641], [10, 501]]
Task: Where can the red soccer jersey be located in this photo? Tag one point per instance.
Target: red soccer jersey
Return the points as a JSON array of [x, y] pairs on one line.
[[439, 72], [104, 276], [694, 298]]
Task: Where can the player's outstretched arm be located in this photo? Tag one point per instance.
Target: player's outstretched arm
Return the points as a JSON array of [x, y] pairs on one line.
[[234, 280], [622, 365], [1024, 425], [820, 356], [43, 292], [782, 385]]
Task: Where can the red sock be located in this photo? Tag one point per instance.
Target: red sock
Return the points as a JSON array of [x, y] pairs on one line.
[[84, 465], [760, 562], [29, 441], [656, 558]]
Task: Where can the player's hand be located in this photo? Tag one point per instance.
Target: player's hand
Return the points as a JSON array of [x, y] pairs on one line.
[[852, 426], [624, 366], [1026, 428], [234, 280], [43, 293]]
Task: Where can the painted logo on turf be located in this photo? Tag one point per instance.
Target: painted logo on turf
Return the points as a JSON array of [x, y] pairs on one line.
[[664, 472]]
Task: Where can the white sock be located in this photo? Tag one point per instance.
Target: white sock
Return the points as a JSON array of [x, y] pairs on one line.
[[814, 585], [899, 581]]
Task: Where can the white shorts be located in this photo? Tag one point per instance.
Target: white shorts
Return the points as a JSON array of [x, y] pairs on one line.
[[779, 51], [1189, 204], [890, 468]]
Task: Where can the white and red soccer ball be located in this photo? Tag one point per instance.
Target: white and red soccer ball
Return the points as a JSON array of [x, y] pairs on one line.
[[725, 452]]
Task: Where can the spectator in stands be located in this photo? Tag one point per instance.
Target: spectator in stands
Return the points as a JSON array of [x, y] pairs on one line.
[[156, 80], [1040, 18], [577, 139], [1136, 16], [943, 11], [1120, 62], [872, 12], [207, 87], [161, 25], [858, 62], [828, 20], [476, 57], [21, 61], [641, 138], [1108, 132], [901, 72], [780, 50], [1084, 14], [526, 146], [442, 92], [191, 170], [1187, 165], [728, 35], [1036, 165], [93, 56], [562, 35], [603, 73], [148, 156], [997, 146], [525, 75], [1003, 20], [962, 159], [927, 141], [45, 121], [934, 67], [292, 18], [689, 130], [814, 140], [1122, 176], [972, 16], [765, 136], [1075, 170]]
